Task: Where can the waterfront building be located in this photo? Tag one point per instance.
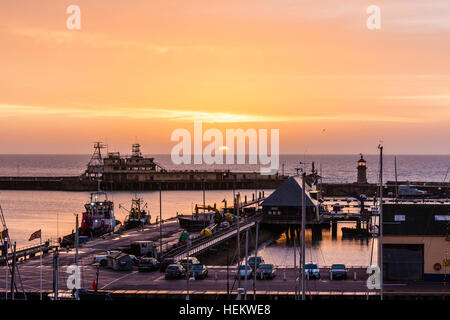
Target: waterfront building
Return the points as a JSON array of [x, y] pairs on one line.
[[416, 241], [284, 205]]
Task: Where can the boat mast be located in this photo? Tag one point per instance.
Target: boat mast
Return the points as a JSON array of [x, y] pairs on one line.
[[381, 222], [96, 161]]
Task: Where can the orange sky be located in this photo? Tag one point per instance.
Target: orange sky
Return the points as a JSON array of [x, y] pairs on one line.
[[140, 69]]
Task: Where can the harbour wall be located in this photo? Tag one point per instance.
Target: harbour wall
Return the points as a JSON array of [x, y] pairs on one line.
[[78, 183]]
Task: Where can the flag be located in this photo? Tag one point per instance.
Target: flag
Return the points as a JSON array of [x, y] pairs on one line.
[[35, 235], [4, 234]]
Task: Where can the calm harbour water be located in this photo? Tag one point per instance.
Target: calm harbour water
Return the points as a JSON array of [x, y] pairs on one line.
[[53, 211]]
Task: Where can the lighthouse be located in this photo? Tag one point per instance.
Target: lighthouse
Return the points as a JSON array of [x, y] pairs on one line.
[[362, 176]]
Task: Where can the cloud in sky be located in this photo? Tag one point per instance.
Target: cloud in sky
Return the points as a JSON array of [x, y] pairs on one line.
[[292, 63], [186, 115]]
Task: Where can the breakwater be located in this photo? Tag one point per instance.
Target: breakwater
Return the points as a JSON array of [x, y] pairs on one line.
[[79, 183]]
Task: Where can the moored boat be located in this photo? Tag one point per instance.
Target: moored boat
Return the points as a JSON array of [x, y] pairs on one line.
[[98, 219], [137, 215]]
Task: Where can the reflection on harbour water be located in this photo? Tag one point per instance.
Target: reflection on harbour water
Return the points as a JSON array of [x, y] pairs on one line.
[[324, 250], [53, 211]]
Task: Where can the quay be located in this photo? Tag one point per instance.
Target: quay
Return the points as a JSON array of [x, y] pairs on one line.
[[220, 284]]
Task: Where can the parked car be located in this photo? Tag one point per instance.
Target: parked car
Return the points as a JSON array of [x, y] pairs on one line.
[[189, 260], [243, 271], [102, 259], [175, 271], [312, 270], [338, 271], [148, 264], [255, 262], [198, 271], [165, 263], [223, 225], [265, 271], [134, 259]]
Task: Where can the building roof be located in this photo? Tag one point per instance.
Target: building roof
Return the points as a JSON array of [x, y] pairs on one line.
[[416, 219], [289, 194]]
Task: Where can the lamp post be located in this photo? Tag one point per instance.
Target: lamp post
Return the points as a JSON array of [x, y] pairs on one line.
[[160, 222]]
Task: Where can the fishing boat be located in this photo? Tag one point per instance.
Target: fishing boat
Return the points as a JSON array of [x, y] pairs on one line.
[[98, 219], [201, 220], [197, 221], [137, 215]]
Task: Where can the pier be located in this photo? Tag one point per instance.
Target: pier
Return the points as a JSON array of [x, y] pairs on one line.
[[200, 245], [78, 183]]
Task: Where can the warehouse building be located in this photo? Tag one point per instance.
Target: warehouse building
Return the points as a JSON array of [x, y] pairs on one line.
[[416, 241]]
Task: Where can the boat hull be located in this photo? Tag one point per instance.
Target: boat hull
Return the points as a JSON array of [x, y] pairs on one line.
[[192, 225]]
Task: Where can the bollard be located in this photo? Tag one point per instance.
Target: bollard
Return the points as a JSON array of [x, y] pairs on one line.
[[215, 275], [354, 275], [240, 292], [284, 276], [331, 275]]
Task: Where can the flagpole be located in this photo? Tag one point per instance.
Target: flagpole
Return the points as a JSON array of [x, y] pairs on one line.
[[40, 258]]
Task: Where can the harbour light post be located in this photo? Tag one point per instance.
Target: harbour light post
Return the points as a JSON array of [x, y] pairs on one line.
[[303, 235]]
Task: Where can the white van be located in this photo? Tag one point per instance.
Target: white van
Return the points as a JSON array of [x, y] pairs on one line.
[[144, 248]]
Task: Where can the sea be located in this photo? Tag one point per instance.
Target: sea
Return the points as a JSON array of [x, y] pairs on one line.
[[54, 211]]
